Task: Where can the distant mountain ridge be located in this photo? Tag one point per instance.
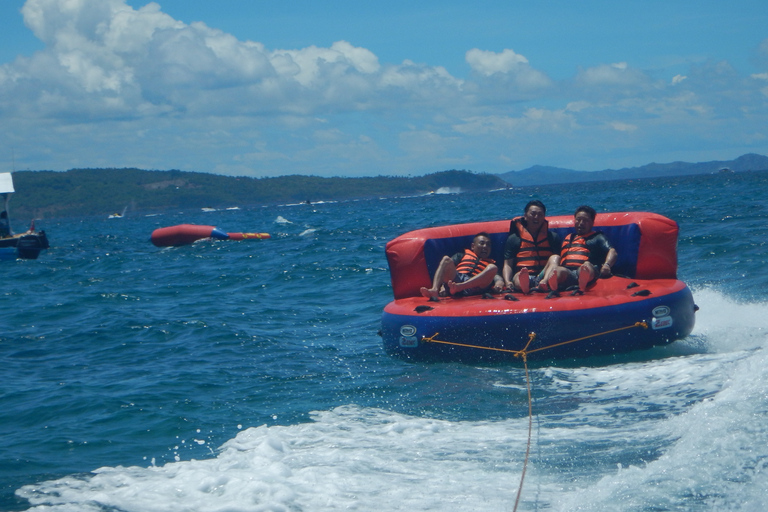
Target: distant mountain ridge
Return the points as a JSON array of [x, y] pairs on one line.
[[543, 175]]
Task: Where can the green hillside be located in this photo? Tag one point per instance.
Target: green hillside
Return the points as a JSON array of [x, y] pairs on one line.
[[46, 194]]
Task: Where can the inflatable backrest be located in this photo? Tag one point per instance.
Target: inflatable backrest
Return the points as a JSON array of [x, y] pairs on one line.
[[645, 242]]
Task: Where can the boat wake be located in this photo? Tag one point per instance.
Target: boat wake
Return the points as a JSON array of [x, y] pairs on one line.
[[724, 324], [606, 437]]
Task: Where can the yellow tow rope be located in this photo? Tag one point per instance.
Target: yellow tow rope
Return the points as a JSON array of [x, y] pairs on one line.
[[525, 351], [524, 355]]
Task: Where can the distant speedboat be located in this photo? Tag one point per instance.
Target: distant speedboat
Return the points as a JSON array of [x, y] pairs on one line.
[[25, 245], [118, 215]]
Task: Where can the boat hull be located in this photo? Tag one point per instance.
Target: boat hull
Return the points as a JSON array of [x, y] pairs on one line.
[[607, 319], [25, 246]]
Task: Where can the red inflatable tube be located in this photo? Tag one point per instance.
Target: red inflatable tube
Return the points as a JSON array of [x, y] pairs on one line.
[[646, 243], [185, 234]]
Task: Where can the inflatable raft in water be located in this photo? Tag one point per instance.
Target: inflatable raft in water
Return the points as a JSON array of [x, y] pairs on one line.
[[185, 234], [642, 305]]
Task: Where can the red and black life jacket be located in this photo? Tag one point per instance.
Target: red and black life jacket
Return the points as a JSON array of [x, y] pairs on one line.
[[575, 252], [532, 254], [472, 264]]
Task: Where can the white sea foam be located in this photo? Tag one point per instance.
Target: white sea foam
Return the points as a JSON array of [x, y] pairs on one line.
[[728, 325], [716, 456], [703, 413], [716, 460], [347, 459], [683, 432], [448, 190]]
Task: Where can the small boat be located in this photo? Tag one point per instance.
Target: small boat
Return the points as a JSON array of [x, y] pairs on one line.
[[26, 246], [118, 215], [641, 306], [12, 246], [185, 234]]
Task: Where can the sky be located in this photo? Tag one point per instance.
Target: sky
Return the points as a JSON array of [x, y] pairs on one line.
[[400, 88]]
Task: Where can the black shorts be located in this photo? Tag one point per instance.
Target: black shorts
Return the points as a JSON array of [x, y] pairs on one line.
[[463, 278], [572, 279]]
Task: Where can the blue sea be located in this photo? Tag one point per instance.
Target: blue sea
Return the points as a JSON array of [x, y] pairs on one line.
[[249, 376]]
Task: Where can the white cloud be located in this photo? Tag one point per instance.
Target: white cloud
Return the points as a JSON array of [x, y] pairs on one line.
[[577, 106], [491, 124], [417, 85], [424, 142], [531, 120], [763, 48], [678, 79], [764, 77], [618, 74], [623, 127], [108, 60], [148, 90], [505, 76], [487, 63], [311, 65]]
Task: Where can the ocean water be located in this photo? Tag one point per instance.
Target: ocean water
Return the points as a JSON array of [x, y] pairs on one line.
[[249, 376]]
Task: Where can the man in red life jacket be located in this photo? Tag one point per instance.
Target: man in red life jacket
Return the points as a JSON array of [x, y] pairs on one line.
[[466, 273], [531, 249], [585, 256]]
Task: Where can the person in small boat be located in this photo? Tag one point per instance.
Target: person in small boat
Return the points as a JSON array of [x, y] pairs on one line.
[[470, 272], [586, 254], [531, 250], [5, 225]]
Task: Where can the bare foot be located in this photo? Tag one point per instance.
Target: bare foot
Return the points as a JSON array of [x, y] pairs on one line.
[[552, 282], [585, 278], [525, 281], [429, 292]]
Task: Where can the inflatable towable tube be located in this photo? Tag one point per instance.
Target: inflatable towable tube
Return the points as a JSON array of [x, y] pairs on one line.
[[642, 305], [185, 234]]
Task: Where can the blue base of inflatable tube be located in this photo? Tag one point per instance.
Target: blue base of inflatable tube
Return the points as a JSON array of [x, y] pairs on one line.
[[608, 319]]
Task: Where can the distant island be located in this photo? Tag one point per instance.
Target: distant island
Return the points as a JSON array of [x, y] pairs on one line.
[[542, 175], [86, 192]]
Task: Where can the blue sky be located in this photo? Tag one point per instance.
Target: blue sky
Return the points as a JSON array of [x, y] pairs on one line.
[[341, 88]]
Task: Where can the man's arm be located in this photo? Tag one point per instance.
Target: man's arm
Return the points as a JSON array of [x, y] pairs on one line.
[[610, 261], [605, 253]]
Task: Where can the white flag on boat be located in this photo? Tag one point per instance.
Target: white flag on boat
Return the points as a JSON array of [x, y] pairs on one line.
[[6, 183]]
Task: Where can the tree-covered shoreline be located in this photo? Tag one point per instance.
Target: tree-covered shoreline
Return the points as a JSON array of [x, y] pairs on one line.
[[83, 192]]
